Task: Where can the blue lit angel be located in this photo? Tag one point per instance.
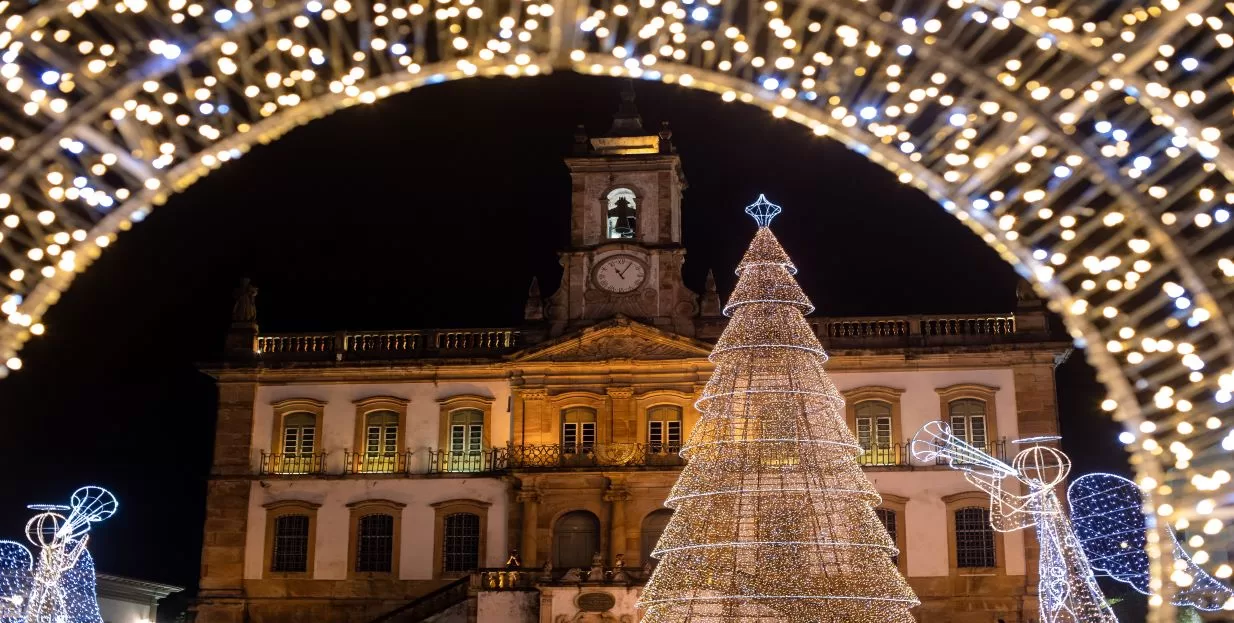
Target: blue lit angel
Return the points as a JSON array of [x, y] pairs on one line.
[[57, 585], [1107, 512], [1068, 591]]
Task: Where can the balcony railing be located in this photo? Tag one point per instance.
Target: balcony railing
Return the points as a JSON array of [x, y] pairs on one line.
[[411, 344], [384, 463], [906, 331], [593, 455], [553, 456], [996, 448], [290, 464], [894, 455], [506, 579], [446, 462]]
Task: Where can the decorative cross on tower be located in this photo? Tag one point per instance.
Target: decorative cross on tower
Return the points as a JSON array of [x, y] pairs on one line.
[[763, 211]]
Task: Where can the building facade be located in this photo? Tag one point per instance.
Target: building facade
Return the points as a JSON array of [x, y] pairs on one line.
[[128, 600], [519, 473]]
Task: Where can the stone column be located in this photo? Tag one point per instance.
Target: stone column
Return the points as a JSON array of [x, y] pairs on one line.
[[531, 521], [530, 425], [221, 598], [616, 496], [623, 426]]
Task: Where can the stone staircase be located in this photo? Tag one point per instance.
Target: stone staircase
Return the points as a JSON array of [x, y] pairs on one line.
[[451, 603]]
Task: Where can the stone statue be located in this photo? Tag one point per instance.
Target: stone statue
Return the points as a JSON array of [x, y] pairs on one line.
[[647, 569], [245, 309], [546, 572], [596, 574], [573, 575], [1024, 291], [619, 569], [513, 560]]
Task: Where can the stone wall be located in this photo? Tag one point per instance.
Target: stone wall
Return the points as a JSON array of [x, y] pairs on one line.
[[508, 607]]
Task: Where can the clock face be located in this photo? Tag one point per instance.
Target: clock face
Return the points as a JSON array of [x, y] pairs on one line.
[[620, 274]]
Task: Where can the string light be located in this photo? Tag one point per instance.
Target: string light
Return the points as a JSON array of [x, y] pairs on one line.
[[774, 519], [57, 585], [1106, 512], [1067, 590], [1140, 151]]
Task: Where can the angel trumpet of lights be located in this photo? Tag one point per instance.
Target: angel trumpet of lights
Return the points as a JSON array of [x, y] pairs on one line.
[[57, 586], [1068, 592]]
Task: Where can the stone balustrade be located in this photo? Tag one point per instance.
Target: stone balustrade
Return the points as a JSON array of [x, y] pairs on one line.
[[369, 345], [834, 332]]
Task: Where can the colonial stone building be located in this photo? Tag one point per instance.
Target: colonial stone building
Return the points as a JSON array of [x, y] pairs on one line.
[[518, 473]]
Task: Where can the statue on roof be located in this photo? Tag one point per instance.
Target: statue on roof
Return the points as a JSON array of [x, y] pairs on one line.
[[245, 308]]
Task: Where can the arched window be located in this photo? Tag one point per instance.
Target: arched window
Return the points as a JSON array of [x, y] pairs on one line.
[[381, 441], [290, 551], [664, 429], [889, 519], [466, 440], [621, 213], [294, 447], [974, 538], [299, 434], [968, 421], [460, 545], [872, 420], [576, 538], [653, 526], [375, 543], [578, 430]]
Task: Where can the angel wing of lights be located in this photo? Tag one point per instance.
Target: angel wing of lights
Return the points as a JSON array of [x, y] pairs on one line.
[[1068, 591], [1106, 511]]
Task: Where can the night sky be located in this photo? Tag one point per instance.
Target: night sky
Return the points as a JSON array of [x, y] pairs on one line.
[[435, 209]]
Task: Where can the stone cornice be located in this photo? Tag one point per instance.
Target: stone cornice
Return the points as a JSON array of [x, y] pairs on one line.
[[933, 358]]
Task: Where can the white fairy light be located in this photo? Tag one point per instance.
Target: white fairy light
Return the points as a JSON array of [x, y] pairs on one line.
[[770, 457], [1106, 512], [117, 72]]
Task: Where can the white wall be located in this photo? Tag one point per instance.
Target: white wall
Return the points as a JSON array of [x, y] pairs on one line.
[[920, 404], [118, 611], [423, 413], [925, 521], [417, 529], [926, 513]]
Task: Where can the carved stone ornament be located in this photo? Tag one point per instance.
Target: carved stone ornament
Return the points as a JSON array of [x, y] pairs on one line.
[[625, 345], [595, 602]]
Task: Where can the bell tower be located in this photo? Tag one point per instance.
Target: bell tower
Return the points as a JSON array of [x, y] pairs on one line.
[[625, 252]]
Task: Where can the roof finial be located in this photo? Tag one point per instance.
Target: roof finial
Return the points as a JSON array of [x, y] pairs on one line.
[[763, 211], [627, 121]]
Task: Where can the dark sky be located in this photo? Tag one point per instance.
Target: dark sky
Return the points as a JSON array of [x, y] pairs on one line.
[[434, 209]]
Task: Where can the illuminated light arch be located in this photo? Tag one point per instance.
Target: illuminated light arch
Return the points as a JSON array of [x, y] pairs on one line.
[[1091, 151]]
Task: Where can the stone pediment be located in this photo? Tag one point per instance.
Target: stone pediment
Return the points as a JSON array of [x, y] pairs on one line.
[[620, 338]]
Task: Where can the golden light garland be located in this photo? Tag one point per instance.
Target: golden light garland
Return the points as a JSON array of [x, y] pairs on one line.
[[1088, 143], [774, 519]]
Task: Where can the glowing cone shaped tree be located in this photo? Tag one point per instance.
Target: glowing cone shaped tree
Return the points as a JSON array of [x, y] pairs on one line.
[[774, 519]]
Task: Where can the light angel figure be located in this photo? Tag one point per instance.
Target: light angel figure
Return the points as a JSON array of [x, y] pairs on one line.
[[1108, 514], [1068, 592], [57, 585]]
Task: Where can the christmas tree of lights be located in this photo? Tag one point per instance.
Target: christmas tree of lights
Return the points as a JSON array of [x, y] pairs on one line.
[[774, 519]]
